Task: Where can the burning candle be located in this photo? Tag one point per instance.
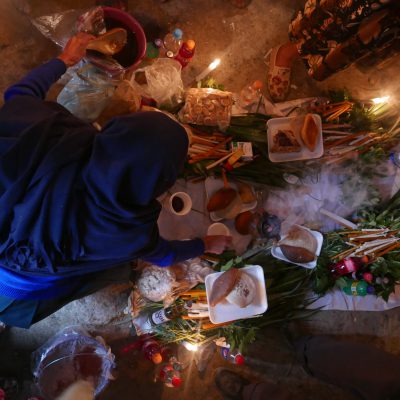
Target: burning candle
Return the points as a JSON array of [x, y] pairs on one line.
[[380, 100], [210, 68]]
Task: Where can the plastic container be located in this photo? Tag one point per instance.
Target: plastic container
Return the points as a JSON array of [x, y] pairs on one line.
[[250, 94], [173, 41], [218, 229], [277, 252], [234, 356], [186, 53], [152, 351], [294, 124], [135, 50], [68, 357], [224, 311], [179, 203]]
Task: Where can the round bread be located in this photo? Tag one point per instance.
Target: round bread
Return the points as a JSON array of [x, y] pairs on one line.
[[156, 283], [244, 291]]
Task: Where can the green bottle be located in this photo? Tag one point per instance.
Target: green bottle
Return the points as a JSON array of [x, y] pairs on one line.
[[356, 288]]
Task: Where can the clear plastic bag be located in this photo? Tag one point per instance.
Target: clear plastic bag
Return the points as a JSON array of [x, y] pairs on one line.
[[59, 27], [88, 93], [70, 356], [163, 82], [207, 107]]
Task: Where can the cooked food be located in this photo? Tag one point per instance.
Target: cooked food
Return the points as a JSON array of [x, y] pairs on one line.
[[244, 291], [297, 254], [110, 43], [244, 221], [309, 132], [221, 199], [223, 286], [299, 245], [285, 141], [232, 210], [246, 193]]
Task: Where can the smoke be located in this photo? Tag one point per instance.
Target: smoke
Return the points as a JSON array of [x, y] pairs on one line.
[[341, 190]]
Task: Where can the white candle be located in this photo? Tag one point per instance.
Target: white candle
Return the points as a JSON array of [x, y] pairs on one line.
[[381, 100], [210, 68]]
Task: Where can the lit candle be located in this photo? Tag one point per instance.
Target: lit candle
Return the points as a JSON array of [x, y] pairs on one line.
[[210, 68], [380, 100]]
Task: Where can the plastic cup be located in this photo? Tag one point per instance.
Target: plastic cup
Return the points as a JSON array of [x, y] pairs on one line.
[[218, 229], [179, 203]]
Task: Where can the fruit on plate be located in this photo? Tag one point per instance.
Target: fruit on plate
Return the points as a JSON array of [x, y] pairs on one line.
[[246, 193], [221, 199], [223, 285], [244, 291], [243, 222], [309, 132], [299, 245]]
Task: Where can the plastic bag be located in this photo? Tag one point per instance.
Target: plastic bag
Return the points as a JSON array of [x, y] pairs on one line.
[[59, 27], [163, 82], [88, 93], [125, 100], [70, 356], [207, 107]]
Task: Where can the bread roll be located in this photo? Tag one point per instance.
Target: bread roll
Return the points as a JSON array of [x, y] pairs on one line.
[[309, 132], [223, 285], [243, 292]]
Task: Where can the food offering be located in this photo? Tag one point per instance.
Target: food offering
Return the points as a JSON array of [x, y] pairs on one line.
[[236, 294], [299, 246], [227, 201], [295, 138]]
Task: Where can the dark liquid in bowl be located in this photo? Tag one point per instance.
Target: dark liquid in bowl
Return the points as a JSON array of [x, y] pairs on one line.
[[177, 204], [127, 56]]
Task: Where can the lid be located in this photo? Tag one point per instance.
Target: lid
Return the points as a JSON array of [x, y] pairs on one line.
[[257, 85], [176, 381], [239, 359], [151, 50], [159, 42], [190, 44], [177, 33], [156, 358]]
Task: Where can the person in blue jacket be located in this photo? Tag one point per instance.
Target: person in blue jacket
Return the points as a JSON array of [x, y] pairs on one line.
[[75, 202]]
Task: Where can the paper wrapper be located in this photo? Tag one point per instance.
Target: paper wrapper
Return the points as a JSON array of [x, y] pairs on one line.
[[205, 106]]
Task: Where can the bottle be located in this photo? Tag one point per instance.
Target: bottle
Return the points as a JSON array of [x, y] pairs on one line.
[[166, 314], [186, 53], [170, 376], [152, 351], [250, 94], [346, 266], [357, 288], [173, 41], [234, 356]]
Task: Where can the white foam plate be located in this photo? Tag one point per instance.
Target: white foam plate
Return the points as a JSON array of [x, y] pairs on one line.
[[213, 184], [293, 124], [277, 252], [225, 311]]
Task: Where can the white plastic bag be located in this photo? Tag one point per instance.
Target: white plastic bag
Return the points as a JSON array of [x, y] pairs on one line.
[[163, 82]]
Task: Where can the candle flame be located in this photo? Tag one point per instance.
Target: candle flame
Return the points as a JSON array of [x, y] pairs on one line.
[[190, 346], [214, 64], [380, 100]]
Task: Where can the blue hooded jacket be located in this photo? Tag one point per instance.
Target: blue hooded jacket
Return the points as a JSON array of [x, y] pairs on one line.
[[74, 201]]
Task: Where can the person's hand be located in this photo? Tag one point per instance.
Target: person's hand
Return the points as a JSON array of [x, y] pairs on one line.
[[75, 49], [217, 244]]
